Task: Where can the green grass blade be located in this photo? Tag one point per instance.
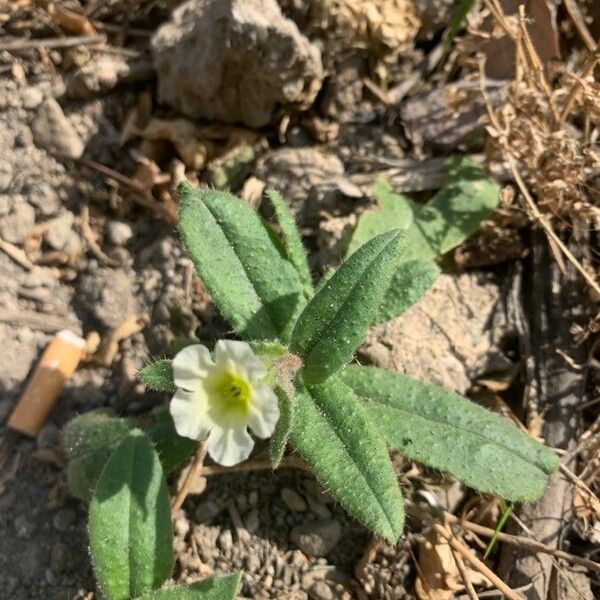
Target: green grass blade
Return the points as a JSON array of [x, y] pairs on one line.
[[292, 241], [336, 319], [448, 432], [499, 527], [256, 288], [130, 522], [334, 435]]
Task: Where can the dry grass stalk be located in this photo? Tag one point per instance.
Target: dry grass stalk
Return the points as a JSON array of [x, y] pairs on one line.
[[546, 133]]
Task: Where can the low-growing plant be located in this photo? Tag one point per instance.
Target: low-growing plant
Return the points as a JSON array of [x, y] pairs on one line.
[[290, 377]]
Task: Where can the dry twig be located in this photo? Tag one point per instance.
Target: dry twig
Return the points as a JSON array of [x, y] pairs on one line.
[[476, 563]]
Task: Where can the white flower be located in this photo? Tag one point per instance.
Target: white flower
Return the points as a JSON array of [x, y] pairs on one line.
[[219, 399]]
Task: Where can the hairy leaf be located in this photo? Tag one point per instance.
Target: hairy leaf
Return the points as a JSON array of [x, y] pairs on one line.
[[292, 241], [283, 428], [130, 524], [158, 376], [336, 319], [88, 441], [334, 435], [256, 289], [393, 211], [409, 283], [215, 588], [446, 431], [450, 217]]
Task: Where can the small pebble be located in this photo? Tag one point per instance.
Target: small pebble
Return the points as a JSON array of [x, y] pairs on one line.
[[293, 500], [317, 538], [319, 590], [252, 563], [24, 527], [60, 230], [252, 521], [241, 500], [32, 97], [318, 508], [6, 175], [15, 226], [60, 557], [119, 233], [182, 526], [63, 519], [53, 131], [44, 197], [226, 540]]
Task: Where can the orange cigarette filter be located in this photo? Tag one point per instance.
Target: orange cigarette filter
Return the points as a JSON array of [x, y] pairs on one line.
[[55, 367]]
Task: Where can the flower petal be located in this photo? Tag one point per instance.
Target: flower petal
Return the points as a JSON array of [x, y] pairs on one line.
[[191, 365], [265, 411], [230, 446], [189, 412], [239, 356]]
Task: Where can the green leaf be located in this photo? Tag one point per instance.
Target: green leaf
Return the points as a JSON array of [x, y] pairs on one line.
[[158, 376], [130, 524], [173, 449], [446, 431], [215, 588], [256, 289], [291, 240], [283, 427], [394, 211], [336, 319], [451, 216], [409, 283], [88, 441], [348, 455]]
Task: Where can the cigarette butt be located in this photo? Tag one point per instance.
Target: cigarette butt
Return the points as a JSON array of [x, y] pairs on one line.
[[55, 367]]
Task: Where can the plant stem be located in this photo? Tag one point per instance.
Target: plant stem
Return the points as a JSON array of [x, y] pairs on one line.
[[192, 474]]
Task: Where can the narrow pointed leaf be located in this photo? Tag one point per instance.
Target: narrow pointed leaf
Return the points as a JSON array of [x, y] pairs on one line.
[[292, 241], [158, 376], [283, 428], [449, 218], [409, 284], [448, 432], [215, 588], [336, 319], [130, 524], [347, 454], [256, 289]]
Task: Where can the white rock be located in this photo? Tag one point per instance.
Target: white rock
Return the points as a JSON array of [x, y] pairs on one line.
[[234, 61], [119, 233], [52, 131], [60, 230]]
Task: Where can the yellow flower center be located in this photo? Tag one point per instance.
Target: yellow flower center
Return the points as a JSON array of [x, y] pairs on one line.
[[232, 395]]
